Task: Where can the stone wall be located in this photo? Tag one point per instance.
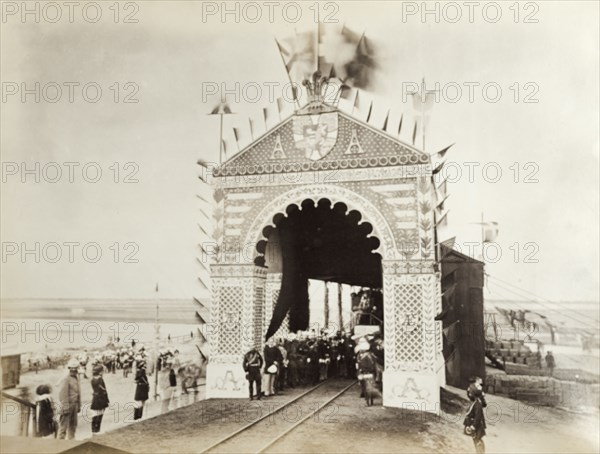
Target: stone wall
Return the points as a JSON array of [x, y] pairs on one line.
[[545, 391]]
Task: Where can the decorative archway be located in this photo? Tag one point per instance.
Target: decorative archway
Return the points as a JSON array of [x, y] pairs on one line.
[[388, 183], [335, 194], [314, 239]]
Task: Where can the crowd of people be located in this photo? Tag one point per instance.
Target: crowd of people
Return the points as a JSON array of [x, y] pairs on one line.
[[309, 360], [175, 382], [296, 361]]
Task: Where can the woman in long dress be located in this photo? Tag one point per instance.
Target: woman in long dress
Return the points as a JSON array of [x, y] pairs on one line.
[[99, 398], [141, 390], [44, 408]]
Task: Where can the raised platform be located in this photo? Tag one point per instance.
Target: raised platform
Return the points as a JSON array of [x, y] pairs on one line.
[[28, 445]]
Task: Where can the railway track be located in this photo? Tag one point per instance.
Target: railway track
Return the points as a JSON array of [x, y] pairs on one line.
[[262, 433]]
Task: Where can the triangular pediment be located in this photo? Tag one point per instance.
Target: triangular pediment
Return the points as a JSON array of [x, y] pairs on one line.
[[307, 141]]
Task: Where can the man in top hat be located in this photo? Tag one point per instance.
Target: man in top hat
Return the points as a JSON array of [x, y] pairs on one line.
[[69, 396]]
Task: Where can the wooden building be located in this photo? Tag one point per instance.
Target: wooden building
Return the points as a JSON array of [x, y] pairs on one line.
[[462, 317]]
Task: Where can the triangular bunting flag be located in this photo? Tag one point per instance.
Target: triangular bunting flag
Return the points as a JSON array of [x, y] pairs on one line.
[[443, 152], [449, 291], [414, 136], [199, 318], [221, 108], [438, 167], [385, 122], [440, 205], [400, 125], [251, 128], [449, 243], [369, 113], [443, 221], [490, 232], [442, 190]]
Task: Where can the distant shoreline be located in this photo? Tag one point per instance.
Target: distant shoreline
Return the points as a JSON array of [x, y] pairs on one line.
[[178, 311]]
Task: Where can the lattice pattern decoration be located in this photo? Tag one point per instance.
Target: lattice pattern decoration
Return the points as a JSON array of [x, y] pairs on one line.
[[228, 330], [259, 295], [408, 301]]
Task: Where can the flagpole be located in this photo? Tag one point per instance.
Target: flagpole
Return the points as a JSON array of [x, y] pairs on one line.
[[221, 140], [482, 237], [318, 39], [157, 354], [288, 74], [423, 101]]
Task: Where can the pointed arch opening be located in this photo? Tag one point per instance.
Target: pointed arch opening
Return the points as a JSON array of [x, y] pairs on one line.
[[317, 240]]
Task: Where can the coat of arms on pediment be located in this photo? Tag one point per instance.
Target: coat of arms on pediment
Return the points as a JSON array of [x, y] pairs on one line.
[[315, 134]]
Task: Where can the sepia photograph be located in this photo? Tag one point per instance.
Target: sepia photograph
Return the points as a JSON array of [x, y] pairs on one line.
[[300, 226]]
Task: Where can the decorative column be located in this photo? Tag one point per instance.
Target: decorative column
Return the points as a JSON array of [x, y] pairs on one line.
[[414, 367], [236, 314]]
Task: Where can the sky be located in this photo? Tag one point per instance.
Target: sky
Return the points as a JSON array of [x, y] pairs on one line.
[[141, 213]]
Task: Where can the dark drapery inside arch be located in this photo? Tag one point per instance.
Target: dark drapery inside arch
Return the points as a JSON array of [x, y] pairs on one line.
[[322, 243]]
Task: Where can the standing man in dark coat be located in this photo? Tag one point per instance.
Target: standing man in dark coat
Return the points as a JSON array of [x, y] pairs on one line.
[[550, 362], [475, 419], [294, 363], [252, 365], [69, 395], [142, 388], [313, 363], [273, 360], [99, 398], [349, 357]]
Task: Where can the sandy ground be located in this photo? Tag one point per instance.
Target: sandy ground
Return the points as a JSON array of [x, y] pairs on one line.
[[569, 357], [121, 392], [513, 427]]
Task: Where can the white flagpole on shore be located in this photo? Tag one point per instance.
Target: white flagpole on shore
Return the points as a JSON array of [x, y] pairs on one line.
[[482, 237], [157, 348]]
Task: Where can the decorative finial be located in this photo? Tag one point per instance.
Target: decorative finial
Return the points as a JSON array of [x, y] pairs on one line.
[[315, 87]]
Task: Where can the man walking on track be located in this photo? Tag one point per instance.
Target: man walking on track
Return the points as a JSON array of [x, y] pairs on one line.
[[253, 363]]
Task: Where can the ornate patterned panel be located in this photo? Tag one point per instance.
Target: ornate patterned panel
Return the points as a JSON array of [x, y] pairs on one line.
[[408, 299], [410, 302], [229, 319], [258, 157]]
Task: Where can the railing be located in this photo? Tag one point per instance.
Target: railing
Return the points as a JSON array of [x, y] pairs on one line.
[[356, 316], [28, 415]]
